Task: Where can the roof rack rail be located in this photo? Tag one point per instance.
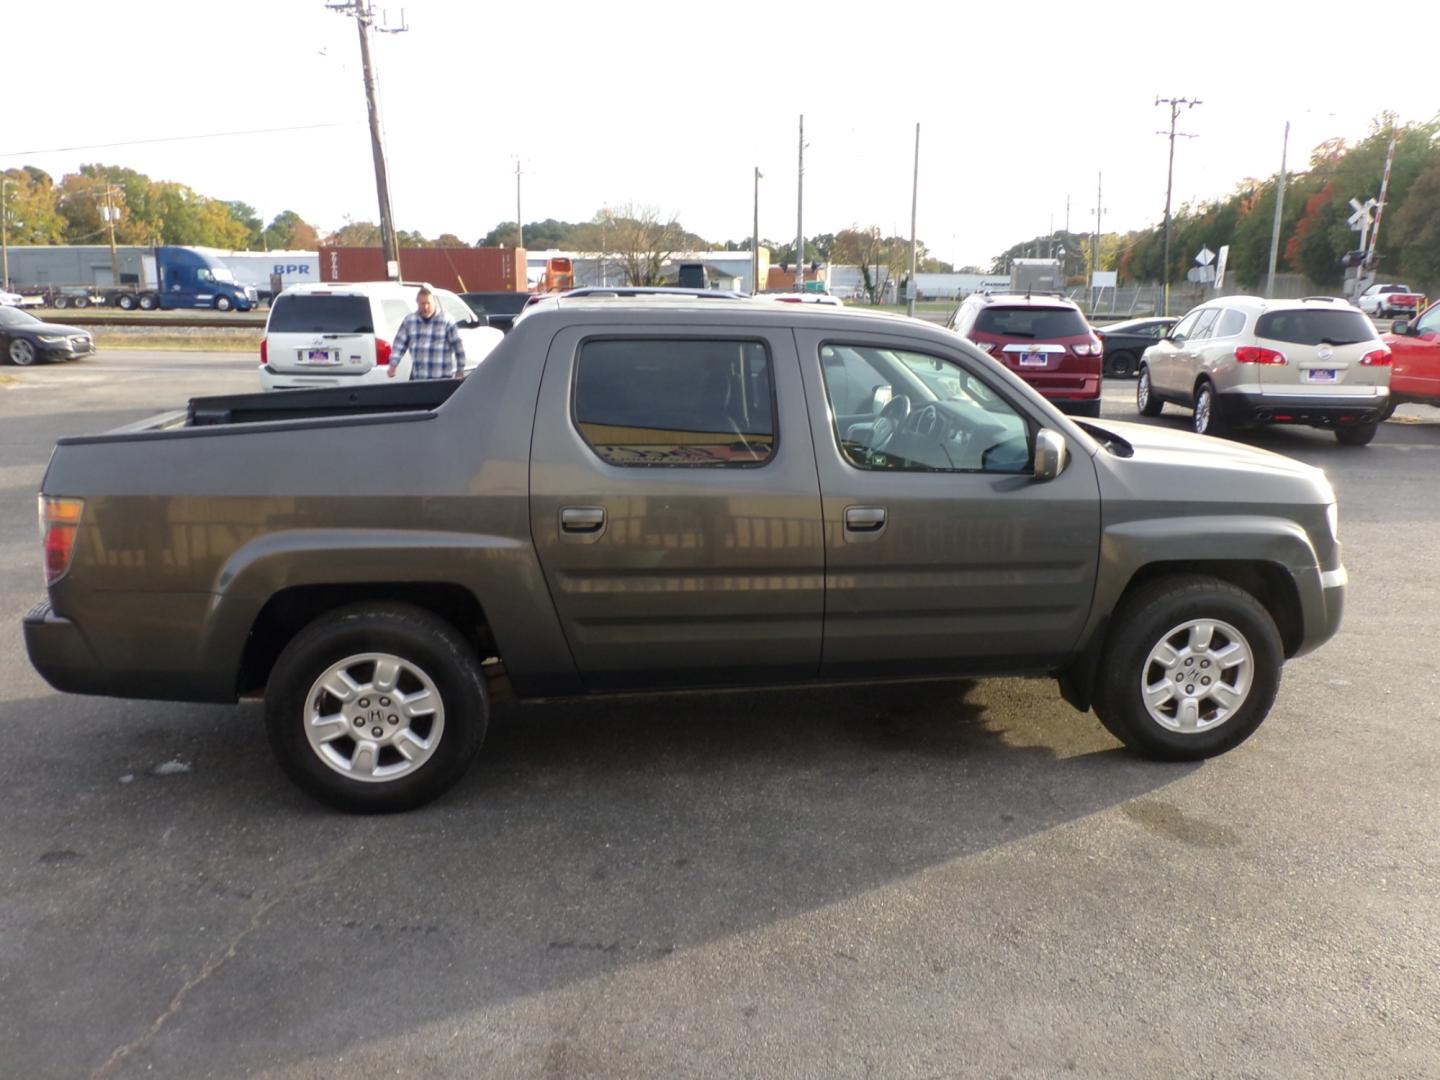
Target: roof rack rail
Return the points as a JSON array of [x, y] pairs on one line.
[[1327, 299]]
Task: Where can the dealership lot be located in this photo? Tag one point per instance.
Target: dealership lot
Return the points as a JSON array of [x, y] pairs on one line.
[[937, 880]]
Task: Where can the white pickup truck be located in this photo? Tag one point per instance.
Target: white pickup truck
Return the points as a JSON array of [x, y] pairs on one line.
[[1391, 300]]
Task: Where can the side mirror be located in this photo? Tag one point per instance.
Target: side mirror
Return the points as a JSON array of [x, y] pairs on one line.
[[1400, 327], [1050, 454], [1174, 339]]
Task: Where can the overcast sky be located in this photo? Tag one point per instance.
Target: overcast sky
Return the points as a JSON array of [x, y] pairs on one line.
[[672, 105]]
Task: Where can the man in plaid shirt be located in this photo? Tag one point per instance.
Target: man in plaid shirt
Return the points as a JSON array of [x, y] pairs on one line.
[[432, 339]]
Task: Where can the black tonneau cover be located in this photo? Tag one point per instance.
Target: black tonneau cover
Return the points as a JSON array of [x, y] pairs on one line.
[[326, 401]]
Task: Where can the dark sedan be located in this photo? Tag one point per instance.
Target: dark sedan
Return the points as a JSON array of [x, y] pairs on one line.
[[1124, 342], [25, 339], [498, 308]]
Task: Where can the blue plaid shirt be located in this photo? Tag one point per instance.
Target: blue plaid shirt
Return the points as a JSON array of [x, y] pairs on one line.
[[434, 343]]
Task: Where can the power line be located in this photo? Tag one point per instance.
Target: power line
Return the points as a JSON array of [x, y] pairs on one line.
[[172, 138]]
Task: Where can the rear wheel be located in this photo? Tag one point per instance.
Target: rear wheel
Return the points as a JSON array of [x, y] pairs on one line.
[[1358, 435], [1145, 399], [148, 302], [1191, 668], [376, 708], [82, 301], [126, 302], [1208, 420], [1121, 364], [61, 302]]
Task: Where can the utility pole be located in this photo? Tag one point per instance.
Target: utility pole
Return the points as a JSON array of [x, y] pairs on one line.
[[914, 202], [800, 215], [755, 239], [1175, 104], [5, 182], [363, 12], [1279, 209], [111, 213], [1095, 240], [519, 228]]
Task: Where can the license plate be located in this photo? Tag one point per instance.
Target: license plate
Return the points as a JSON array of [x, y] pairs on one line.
[[1320, 375], [1033, 359], [318, 356]]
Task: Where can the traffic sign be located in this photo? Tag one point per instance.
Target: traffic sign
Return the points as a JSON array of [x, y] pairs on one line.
[[1206, 256]]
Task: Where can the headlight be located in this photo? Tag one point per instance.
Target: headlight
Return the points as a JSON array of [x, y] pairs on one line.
[[1332, 518], [54, 340]]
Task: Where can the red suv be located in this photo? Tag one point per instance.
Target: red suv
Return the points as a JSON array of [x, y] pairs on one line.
[[1043, 339]]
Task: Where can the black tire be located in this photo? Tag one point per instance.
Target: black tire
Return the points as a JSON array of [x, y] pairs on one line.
[[1145, 400], [419, 640], [61, 302], [1090, 409], [1208, 419], [148, 302], [1121, 364], [126, 302], [1357, 435], [82, 301], [222, 303], [1156, 613], [1390, 407]]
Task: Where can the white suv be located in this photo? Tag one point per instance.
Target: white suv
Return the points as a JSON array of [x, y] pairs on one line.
[[1243, 360], [339, 334]]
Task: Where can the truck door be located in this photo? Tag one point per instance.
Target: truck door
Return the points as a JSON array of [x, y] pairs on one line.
[[675, 506], [943, 553], [1416, 371]]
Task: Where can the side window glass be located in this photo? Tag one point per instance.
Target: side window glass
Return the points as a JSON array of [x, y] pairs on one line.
[[934, 415], [457, 309], [1231, 323], [1204, 323], [1429, 323], [676, 403], [393, 313], [1185, 325]]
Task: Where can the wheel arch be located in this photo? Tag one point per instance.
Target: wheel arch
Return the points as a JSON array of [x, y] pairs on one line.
[[290, 610]]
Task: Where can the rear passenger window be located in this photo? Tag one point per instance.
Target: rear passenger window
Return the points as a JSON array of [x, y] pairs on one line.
[[1231, 323], [676, 403]]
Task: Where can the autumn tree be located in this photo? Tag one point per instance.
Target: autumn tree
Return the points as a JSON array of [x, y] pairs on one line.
[[32, 215], [355, 234], [637, 238], [290, 232]]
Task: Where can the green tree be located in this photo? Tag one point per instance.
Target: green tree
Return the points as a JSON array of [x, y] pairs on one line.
[[1417, 225], [355, 234], [32, 214], [247, 216]]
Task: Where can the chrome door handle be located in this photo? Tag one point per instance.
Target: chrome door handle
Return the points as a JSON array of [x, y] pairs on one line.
[[864, 518], [582, 519]]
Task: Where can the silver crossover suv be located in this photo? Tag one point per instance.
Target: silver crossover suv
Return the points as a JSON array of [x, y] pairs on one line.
[[1239, 361]]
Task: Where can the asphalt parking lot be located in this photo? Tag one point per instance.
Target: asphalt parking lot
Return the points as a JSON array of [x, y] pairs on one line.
[[958, 880]]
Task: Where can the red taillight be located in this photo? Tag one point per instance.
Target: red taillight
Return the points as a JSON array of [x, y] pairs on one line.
[[1377, 358], [264, 351], [1258, 354], [59, 521], [382, 352], [1090, 348]]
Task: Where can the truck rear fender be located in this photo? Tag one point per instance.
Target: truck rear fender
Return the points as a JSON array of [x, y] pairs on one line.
[[271, 587]]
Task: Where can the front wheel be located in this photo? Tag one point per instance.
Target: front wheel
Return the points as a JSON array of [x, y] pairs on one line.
[[222, 303], [1145, 400], [21, 352], [1191, 668], [376, 708]]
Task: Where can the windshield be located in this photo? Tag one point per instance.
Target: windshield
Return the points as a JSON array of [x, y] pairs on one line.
[[320, 315], [222, 273], [11, 317], [1315, 327], [1031, 322]]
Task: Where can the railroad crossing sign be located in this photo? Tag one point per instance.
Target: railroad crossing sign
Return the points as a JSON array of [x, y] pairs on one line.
[[1363, 215]]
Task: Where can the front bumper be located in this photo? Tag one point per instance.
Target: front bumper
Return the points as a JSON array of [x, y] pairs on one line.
[[65, 350]]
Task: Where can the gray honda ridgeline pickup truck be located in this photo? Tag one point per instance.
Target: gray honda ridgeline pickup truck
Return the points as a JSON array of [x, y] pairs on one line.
[[640, 495]]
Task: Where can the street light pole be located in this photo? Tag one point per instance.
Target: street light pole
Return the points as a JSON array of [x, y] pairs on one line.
[[755, 239], [519, 228], [914, 202], [1174, 104], [800, 215], [5, 182], [1279, 209]]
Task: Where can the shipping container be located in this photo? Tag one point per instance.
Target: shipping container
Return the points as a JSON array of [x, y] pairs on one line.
[[457, 269]]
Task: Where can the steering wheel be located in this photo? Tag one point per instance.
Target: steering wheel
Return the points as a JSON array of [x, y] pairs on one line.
[[928, 423], [891, 417]]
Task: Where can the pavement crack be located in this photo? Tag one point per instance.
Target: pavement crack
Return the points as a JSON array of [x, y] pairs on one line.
[[216, 961]]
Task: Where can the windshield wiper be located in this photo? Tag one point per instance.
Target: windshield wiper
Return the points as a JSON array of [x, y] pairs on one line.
[[1328, 341]]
